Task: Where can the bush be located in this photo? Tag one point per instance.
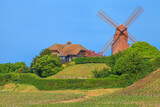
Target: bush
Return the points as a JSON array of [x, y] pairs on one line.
[[125, 80], [84, 60], [105, 72], [113, 59], [47, 65], [130, 63], [8, 77], [156, 62]]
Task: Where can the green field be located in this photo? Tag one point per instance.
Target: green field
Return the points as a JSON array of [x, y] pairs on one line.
[[27, 95], [144, 93], [81, 71]]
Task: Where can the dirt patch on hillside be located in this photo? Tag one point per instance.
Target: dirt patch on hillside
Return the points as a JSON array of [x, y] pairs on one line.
[[18, 88]]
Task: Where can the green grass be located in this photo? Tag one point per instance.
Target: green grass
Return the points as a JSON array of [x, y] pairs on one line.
[[9, 98], [79, 71], [109, 101], [149, 85]]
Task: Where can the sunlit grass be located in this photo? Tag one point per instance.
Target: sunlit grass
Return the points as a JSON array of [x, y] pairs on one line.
[[79, 71]]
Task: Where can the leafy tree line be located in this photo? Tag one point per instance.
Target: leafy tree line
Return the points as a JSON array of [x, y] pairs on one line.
[[45, 64], [18, 67], [133, 64]]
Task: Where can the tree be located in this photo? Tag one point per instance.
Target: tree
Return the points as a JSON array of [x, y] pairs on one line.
[[19, 65], [11, 67], [131, 63], [144, 49], [7, 68], [156, 62], [42, 53], [45, 52], [47, 65]]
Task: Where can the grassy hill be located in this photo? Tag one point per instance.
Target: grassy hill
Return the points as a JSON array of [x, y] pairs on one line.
[[81, 71], [150, 85]]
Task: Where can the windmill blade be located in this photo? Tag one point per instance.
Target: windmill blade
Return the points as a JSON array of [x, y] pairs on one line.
[[116, 45], [106, 44], [107, 50], [135, 14], [106, 18], [130, 37], [133, 37]]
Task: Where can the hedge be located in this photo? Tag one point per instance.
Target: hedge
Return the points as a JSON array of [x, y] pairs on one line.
[[59, 84], [8, 77], [84, 60]]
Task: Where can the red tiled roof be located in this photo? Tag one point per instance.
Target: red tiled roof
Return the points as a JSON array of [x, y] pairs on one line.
[[70, 49]]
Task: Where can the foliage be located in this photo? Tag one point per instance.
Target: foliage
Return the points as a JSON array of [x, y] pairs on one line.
[[7, 68], [90, 53], [130, 63], [57, 84], [144, 49], [113, 59], [11, 67], [8, 77], [45, 52], [19, 65], [105, 72], [156, 62], [84, 60], [47, 65], [42, 53], [24, 69]]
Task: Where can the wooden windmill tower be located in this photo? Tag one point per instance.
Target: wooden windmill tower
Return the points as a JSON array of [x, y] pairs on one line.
[[119, 41]]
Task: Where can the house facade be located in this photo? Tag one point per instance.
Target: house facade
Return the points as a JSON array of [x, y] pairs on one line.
[[68, 51]]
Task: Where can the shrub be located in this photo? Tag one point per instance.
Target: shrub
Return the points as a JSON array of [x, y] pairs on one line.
[[8, 77], [105, 72], [113, 59], [47, 65], [155, 62], [125, 80]]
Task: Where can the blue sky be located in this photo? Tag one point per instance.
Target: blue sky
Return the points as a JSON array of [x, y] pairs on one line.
[[28, 26]]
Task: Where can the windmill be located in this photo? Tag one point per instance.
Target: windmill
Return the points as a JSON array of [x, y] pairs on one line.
[[119, 41]]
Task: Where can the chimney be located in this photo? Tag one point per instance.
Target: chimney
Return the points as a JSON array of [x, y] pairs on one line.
[[69, 42]]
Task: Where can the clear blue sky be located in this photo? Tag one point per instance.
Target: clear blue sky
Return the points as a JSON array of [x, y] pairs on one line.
[[28, 26]]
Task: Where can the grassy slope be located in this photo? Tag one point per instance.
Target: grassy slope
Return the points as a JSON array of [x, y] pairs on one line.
[[149, 85], [79, 71]]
